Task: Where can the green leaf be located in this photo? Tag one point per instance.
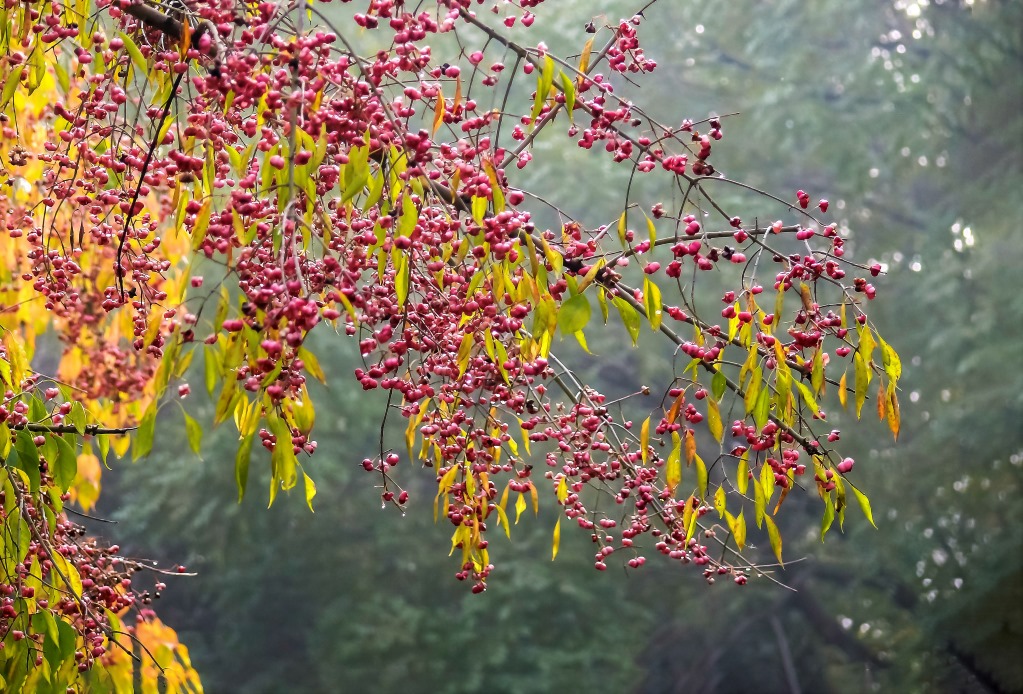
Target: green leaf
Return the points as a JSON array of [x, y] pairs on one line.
[[829, 516], [103, 444], [66, 466], [568, 87], [137, 60], [241, 465], [17, 535], [78, 418], [762, 408], [401, 278], [312, 364], [808, 398], [630, 317], [10, 85], [144, 434], [28, 457], [574, 314], [543, 88], [194, 432], [211, 367], [718, 385], [817, 371], [864, 503], [862, 381]]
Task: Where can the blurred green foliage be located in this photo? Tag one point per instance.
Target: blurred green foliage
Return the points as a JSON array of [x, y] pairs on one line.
[[907, 117]]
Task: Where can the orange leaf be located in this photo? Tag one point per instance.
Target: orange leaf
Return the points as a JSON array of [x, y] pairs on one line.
[[894, 419], [675, 407], [438, 114]]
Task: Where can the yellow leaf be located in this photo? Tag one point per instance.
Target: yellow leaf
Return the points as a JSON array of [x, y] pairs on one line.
[[310, 490], [18, 358], [673, 468], [584, 59], [842, 390], [714, 420], [719, 502], [557, 539], [502, 520], [701, 477], [520, 506], [775, 537], [737, 524], [807, 297], [644, 439], [742, 476], [862, 377]]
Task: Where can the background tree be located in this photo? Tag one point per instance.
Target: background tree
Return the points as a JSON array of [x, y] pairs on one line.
[[897, 610], [392, 266]]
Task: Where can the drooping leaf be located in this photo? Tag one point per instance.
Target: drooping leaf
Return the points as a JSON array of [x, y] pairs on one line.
[[144, 434], [193, 430], [742, 475], [629, 317], [652, 302], [775, 537], [720, 502], [807, 396], [829, 516], [701, 477], [862, 381], [894, 416], [310, 490], [574, 314], [864, 503], [673, 466], [714, 424], [28, 457], [65, 468], [737, 525], [241, 465]]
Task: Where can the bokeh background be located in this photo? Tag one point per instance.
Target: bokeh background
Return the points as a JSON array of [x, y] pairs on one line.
[[906, 116]]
